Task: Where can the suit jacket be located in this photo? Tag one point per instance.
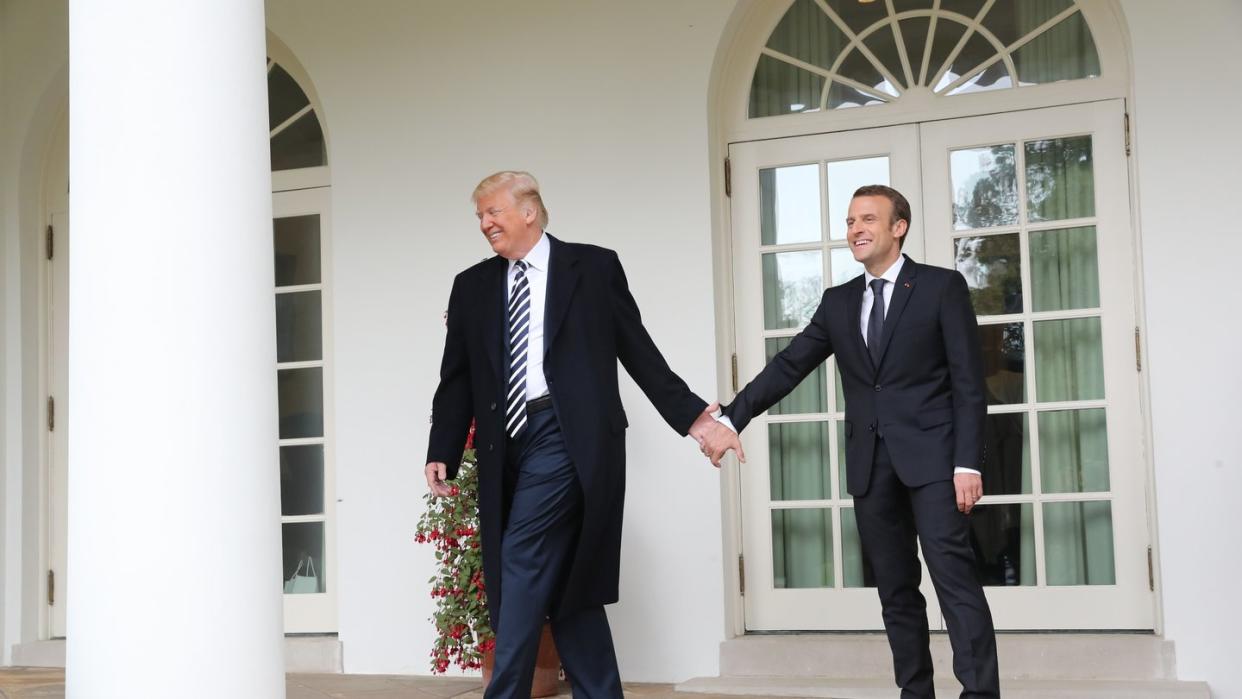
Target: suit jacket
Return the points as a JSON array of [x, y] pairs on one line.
[[926, 396], [590, 321]]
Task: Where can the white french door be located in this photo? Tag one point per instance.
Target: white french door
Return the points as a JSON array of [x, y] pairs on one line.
[[1032, 207], [304, 380], [802, 560]]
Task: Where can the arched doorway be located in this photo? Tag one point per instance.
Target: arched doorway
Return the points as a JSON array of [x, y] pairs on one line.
[[301, 239], [1005, 125]]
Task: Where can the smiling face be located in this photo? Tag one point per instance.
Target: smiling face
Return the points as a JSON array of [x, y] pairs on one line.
[[510, 227], [874, 236]]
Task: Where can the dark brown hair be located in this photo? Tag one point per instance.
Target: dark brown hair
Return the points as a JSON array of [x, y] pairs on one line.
[[901, 207]]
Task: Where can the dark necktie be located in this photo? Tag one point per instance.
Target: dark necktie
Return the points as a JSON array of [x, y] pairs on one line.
[[519, 332], [875, 326]]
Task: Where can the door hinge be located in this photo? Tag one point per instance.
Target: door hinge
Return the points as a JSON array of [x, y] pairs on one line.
[[51, 587], [734, 372], [1126, 125], [51, 242], [1138, 349], [728, 173], [1151, 572], [741, 574], [51, 414]]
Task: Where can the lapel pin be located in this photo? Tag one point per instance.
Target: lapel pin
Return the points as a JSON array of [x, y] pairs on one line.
[[907, 285]]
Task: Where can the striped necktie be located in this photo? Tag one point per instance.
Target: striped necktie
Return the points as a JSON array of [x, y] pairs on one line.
[[519, 332]]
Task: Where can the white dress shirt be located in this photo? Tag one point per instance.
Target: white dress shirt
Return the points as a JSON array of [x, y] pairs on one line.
[[537, 277], [868, 300]]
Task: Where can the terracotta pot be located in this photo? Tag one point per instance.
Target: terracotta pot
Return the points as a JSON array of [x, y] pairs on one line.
[[547, 667]]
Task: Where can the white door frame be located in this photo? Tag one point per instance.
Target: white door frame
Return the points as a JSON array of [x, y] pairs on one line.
[[315, 612], [1129, 605]]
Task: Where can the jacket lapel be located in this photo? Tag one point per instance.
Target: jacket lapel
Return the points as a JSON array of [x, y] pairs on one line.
[[562, 281], [494, 299], [902, 291]]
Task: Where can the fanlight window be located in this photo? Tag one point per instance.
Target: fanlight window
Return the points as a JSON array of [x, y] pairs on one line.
[[296, 136], [833, 54]]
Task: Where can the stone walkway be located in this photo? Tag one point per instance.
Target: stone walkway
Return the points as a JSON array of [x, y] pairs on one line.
[[45, 683]]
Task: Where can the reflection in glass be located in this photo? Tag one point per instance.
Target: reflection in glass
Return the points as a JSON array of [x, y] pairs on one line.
[[301, 402], [296, 240], [299, 327], [948, 33], [781, 88], [299, 145], [914, 34], [992, 266], [1069, 361], [789, 204], [857, 67], [1003, 537], [1007, 463], [793, 283], [841, 96], [843, 491], [858, 15], [798, 461], [976, 51], [883, 45], [802, 548], [806, 33], [855, 570], [304, 565], [1064, 52], [810, 396], [994, 77], [840, 389], [1060, 181], [844, 266], [1078, 543], [1004, 362], [985, 189], [284, 97], [844, 178], [1073, 451], [1010, 21], [967, 8], [1064, 269], [301, 480]]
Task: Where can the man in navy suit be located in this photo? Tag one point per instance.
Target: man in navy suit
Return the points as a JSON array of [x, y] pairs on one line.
[[534, 336], [906, 343]]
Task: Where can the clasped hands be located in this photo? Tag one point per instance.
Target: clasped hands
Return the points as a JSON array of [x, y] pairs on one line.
[[714, 437]]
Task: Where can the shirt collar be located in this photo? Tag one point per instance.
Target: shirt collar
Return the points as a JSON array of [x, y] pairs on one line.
[[890, 275], [538, 255]]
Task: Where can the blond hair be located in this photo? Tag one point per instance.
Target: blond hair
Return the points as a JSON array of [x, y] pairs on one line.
[[522, 185]]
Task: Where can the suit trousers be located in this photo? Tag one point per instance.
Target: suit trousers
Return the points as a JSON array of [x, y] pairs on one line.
[[544, 516], [893, 520]]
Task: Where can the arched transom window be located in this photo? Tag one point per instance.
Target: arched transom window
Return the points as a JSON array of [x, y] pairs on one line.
[[295, 133], [833, 54]]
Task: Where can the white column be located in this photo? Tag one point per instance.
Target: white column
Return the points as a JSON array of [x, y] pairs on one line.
[[174, 535]]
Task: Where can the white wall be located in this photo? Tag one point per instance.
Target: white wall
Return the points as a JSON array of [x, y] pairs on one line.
[[1186, 115], [606, 104], [34, 53]]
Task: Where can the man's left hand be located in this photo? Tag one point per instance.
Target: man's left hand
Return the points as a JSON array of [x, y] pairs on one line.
[[969, 487]]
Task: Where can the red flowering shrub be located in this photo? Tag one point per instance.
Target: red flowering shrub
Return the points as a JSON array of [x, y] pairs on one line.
[[451, 524]]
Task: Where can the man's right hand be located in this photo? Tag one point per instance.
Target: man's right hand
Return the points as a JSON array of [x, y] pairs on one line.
[[436, 473]]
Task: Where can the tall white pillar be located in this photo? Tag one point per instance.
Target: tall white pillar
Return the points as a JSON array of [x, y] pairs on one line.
[[174, 535]]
